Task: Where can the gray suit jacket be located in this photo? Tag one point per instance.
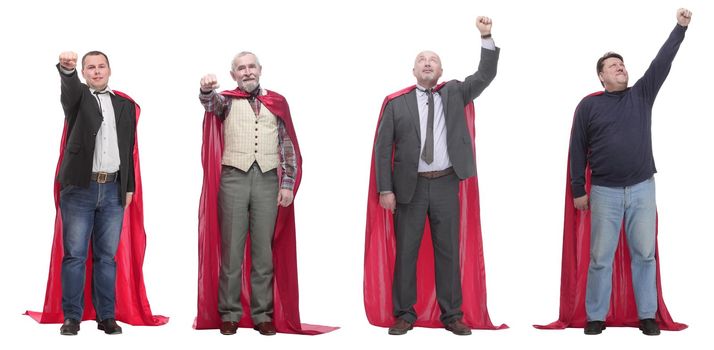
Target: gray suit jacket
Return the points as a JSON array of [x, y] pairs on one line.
[[399, 128]]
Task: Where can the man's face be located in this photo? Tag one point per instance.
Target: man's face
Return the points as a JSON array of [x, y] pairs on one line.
[[96, 72], [427, 69], [246, 72], [614, 74]]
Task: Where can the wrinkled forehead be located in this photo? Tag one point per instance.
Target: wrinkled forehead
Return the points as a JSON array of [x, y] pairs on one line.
[[245, 60], [427, 55]]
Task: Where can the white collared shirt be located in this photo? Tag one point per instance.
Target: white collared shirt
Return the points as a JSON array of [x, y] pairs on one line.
[[106, 147], [441, 154]]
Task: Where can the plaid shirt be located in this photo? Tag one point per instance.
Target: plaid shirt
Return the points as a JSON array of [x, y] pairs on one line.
[[220, 106]]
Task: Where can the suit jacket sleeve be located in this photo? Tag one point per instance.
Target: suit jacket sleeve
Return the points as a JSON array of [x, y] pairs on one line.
[[71, 93], [474, 84], [383, 150], [130, 182]]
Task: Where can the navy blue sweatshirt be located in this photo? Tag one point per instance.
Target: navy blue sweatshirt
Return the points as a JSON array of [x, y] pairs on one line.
[[613, 130]]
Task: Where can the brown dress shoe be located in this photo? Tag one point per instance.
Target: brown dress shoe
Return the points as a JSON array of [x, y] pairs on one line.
[[109, 326], [266, 328], [229, 327], [400, 327], [69, 327], [459, 328]]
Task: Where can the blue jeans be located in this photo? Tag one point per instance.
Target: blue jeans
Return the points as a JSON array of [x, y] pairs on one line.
[[94, 213], [609, 205]]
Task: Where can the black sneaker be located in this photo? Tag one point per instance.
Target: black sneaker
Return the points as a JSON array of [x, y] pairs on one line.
[[649, 326], [594, 327], [69, 327]]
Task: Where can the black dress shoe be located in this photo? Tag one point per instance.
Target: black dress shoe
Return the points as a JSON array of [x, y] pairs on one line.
[[594, 327], [229, 327], [69, 327], [400, 327], [649, 326], [459, 328], [109, 326]]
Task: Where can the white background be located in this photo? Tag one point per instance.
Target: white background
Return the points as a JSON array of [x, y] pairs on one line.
[[335, 62]]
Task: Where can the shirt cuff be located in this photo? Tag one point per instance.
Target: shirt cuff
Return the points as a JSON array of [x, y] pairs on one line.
[[287, 184], [488, 44]]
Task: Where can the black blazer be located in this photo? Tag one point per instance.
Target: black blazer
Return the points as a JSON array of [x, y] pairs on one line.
[[83, 119], [400, 127]]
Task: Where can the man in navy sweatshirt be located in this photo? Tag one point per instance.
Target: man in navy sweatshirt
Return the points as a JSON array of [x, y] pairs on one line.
[[612, 132]]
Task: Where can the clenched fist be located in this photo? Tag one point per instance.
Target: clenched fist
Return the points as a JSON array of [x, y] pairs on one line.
[[68, 60], [483, 24], [683, 17], [209, 82]]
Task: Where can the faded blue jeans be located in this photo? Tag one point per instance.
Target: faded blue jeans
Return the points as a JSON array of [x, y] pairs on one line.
[[95, 213], [609, 205]]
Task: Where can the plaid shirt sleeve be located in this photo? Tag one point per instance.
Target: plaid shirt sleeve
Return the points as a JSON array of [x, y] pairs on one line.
[[215, 103], [287, 157]]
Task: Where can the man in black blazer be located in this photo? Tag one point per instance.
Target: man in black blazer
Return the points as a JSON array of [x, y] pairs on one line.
[[97, 182], [426, 128]]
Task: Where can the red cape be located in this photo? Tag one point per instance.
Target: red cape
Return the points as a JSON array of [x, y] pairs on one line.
[[286, 313], [380, 254], [132, 305], [574, 274]]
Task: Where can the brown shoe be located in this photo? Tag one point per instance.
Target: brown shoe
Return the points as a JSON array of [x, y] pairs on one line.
[[400, 327], [266, 328], [459, 328], [229, 327]]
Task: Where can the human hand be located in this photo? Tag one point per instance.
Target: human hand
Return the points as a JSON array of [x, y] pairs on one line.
[[683, 17], [68, 60], [209, 82], [285, 197], [581, 203], [129, 196], [388, 201], [483, 24]]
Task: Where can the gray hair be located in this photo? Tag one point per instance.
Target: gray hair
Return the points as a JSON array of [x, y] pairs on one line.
[[241, 54]]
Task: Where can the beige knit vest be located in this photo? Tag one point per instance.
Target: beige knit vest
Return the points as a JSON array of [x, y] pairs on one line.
[[249, 139]]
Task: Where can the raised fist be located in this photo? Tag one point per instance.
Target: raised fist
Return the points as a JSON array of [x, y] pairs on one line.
[[483, 24], [68, 60], [683, 17], [209, 82]]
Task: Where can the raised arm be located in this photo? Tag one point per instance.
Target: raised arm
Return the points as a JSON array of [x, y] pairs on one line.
[[212, 101], [657, 72], [474, 84], [71, 86]]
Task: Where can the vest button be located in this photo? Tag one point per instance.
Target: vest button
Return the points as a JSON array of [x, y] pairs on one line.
[[256, 151]]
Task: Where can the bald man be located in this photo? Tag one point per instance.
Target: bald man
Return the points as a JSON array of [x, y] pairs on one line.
[[433, 151]]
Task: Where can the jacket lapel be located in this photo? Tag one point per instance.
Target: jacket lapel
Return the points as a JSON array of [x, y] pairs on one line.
[[414, 111], [118, 105], [443, 92]]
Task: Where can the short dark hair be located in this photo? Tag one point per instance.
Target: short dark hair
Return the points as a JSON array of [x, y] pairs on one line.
[[601, 62], [95, 53]]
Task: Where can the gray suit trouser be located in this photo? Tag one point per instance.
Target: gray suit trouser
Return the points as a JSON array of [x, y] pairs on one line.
[[247, 202], [439, 199]]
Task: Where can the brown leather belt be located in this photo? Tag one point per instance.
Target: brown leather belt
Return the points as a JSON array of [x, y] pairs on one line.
[[103, 178], [437, 174]]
